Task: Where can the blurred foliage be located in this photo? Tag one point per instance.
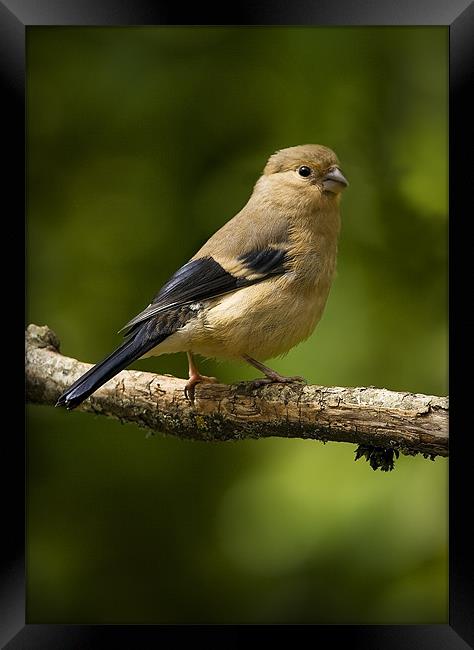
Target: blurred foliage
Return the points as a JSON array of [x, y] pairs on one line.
[[141, 143]]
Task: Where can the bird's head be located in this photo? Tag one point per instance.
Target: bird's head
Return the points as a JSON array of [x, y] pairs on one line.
[[307, 173]]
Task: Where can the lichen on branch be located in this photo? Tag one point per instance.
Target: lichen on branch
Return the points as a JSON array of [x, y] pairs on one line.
[[376, 419]]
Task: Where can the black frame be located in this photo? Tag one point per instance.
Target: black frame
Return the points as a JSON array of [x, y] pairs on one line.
[[458, 15]]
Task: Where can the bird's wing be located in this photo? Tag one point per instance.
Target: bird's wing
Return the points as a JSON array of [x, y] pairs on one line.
[[198, 280], [204, 278]]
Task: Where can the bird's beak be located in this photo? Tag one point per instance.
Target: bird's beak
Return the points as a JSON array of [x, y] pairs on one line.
[[334, 181]]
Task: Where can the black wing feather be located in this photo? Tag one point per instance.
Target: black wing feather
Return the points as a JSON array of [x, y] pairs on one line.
[[205, 278], [196, 281], [269, 261]]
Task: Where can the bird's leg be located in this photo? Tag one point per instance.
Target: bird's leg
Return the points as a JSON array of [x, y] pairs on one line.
[[272, 377], [195, 377]]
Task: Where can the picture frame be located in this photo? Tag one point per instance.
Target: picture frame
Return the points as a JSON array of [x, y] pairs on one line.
[[15, 19]]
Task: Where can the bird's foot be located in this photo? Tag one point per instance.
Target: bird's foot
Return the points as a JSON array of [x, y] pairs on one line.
[[271, 376], [194, 380], [275, 378]]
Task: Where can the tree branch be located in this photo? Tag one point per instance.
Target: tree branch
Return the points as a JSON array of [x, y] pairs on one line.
[[371, 417]]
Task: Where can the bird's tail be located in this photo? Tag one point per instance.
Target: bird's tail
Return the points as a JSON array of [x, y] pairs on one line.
[[94, 378]]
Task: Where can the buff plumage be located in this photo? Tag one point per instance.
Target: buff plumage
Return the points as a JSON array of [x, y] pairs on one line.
[[256, 288]]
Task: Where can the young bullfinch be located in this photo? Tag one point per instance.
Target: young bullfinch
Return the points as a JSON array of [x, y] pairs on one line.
[[255, 289]]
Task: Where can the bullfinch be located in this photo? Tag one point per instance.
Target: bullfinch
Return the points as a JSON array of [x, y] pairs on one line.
[[255, 289]]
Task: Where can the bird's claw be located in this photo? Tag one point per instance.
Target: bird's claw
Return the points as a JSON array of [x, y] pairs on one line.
[[194, 380], [277, 379]]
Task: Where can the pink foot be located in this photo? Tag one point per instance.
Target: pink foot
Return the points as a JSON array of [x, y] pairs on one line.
[[277, 379], [194, 379]]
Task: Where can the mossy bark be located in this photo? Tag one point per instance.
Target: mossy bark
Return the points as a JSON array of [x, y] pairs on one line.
[[371, 417]]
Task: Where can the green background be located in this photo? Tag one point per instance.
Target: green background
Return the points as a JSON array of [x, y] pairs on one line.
[[141, 143]]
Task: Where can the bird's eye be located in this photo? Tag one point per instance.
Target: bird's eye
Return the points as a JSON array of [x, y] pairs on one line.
[[304, 171]]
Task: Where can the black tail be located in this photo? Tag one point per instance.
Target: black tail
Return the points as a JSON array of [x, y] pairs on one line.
[[94, 378]]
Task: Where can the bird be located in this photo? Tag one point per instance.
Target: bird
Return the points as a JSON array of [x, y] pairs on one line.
[[255, 289]]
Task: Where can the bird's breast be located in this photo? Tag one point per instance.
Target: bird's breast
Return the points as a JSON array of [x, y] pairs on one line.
[[267, 319]]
